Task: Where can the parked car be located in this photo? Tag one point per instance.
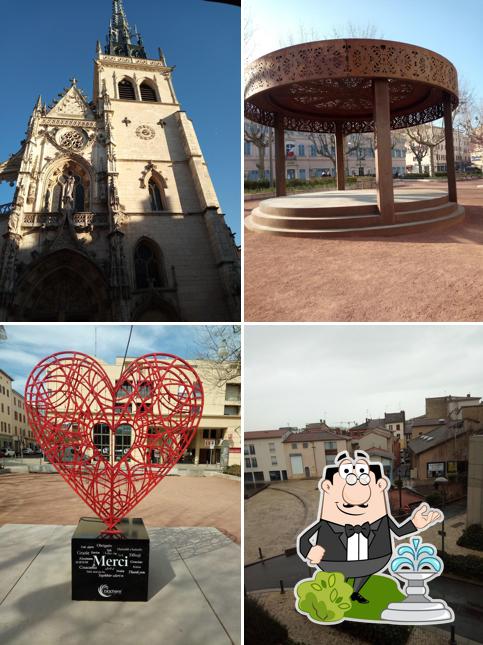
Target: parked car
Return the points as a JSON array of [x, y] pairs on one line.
[[28, 451], [7, 452]]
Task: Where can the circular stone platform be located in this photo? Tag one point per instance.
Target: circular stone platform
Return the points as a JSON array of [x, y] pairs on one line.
[[354, 213]]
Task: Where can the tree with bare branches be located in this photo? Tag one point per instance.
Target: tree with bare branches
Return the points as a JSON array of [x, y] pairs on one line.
[[220, 345], [419, 151], [426, 136], [324, 145], [261, 137]]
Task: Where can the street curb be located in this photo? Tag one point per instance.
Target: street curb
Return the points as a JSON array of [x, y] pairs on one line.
[[452, 576], [301, 499]]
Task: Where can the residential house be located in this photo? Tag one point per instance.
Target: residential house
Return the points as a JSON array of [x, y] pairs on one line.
[[308, 452], [265, 458]]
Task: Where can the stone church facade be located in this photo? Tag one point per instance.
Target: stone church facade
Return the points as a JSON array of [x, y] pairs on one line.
[[115, 217]]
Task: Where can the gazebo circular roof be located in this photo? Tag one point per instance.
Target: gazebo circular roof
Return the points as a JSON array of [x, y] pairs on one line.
[[314, 85]]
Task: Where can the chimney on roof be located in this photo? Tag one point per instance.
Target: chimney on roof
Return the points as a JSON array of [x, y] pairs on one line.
[[468, 396]]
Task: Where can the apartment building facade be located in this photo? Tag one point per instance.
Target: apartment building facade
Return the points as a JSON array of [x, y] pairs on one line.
[[304, 162], [15, 432], [217, 441]]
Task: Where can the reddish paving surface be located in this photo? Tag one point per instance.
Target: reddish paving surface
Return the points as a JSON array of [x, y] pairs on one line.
[[421, 277], [177, 501]]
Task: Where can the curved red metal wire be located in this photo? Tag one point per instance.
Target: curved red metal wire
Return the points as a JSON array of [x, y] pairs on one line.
[[76, 413]]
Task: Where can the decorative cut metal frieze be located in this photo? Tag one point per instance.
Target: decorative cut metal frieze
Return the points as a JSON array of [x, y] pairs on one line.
[[315, 84], [5, 209]]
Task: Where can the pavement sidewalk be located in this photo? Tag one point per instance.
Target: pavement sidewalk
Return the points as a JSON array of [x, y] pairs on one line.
[[194, 593]]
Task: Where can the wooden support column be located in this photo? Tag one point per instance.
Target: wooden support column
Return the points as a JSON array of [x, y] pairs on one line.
[[280, 182], [382, 136], [339, 156], [448, 138]]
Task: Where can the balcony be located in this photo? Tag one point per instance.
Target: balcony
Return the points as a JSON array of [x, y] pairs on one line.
[[54, 220]]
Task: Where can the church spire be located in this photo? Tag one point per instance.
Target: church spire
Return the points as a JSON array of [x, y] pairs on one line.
[[119, 39]]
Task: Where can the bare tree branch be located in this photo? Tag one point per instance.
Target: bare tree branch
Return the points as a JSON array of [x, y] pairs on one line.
[[261, 137], [220, 345]]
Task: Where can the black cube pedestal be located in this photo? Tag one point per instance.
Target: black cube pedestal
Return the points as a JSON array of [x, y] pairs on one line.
[[106, 567]]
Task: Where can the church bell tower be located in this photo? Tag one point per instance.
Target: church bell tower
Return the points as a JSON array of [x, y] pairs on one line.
[[115, 216]]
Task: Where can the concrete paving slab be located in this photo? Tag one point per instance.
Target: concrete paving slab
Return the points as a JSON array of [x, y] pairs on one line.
[[194, 595]]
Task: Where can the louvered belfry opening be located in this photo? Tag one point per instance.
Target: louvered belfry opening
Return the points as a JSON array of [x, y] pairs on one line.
[[147, 92], [126, 91]]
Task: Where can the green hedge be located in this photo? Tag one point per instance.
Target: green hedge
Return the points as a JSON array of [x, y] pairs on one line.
[[233, 470], [256, 184], [472, 537], [466, 566], [416, 175]]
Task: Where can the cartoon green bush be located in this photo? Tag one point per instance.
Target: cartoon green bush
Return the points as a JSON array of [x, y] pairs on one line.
[[325, 597]]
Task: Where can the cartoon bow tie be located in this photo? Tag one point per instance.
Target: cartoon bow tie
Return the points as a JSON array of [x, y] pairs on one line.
[[365, 529]]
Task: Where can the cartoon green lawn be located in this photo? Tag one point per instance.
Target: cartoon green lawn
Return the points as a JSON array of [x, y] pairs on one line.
[[353, 541]]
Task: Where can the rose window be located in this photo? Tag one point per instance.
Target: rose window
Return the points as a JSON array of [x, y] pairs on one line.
[[72, 139]]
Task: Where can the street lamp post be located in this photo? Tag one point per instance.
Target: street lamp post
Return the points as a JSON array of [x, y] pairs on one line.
[[442, 481]]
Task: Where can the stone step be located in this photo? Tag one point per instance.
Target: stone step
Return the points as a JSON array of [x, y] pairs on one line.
[[455, 216], [298, 222]]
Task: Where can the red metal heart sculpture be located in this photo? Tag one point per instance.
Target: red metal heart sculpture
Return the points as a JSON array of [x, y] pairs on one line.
[[113, 443]]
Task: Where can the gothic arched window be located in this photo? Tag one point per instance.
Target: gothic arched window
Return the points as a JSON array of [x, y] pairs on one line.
[[148, 266], [155, 196], [148, 93], [126, 90], [79, 196]]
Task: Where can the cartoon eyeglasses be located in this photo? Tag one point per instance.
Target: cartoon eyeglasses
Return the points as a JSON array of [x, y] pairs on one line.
[[353, 473]]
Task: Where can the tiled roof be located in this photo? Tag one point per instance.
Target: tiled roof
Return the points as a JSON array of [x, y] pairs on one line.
[[427, 422], [312, 435], [394, 417], [379, 452], [265, 434], [439, 435]]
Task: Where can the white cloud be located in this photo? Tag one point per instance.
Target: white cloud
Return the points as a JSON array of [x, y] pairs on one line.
[[297, 374]]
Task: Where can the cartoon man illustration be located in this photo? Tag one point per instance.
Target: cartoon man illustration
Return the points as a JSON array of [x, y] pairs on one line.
[[353, 535]]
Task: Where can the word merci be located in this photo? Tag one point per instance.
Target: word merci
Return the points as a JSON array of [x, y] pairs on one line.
[[105, 561]]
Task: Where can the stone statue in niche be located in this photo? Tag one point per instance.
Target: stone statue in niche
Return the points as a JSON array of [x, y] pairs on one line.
[[14, 222], [68, 192], [47, 201]]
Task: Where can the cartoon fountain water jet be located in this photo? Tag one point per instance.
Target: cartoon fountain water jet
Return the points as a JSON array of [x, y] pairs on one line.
[[416, 565]]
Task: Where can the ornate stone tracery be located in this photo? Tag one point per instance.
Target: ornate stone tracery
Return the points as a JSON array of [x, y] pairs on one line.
[[72, 140], [145, 132]]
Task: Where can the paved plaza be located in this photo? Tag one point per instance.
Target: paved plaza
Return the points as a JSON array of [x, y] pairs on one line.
[[176, 501], [267, 525], [194, 593], [421, 277]]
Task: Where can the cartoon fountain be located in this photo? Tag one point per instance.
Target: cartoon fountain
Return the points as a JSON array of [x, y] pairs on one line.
[[416, 565]]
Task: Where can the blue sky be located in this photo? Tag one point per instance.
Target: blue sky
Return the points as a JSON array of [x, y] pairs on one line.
[[46, 44], [26, 345], [453, 29]]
